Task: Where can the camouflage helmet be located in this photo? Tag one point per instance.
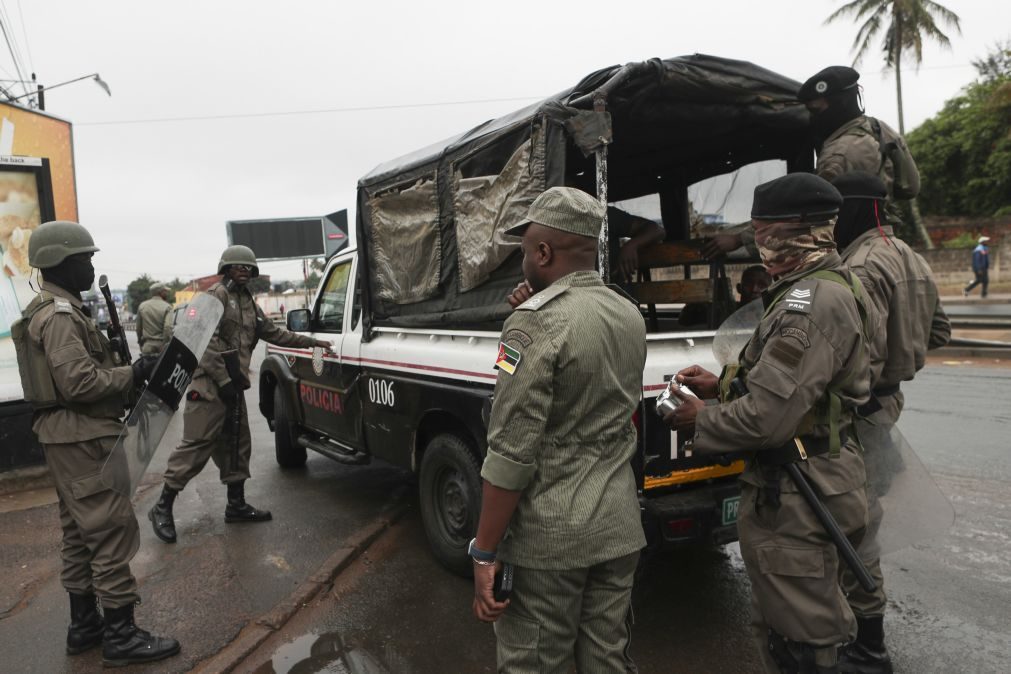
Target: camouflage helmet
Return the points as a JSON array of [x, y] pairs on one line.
[[238, 255], [53, 242]]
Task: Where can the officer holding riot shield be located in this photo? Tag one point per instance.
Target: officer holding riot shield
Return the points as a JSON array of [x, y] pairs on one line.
[[788, 407], [78, 387], [215, 424], [900, 284]]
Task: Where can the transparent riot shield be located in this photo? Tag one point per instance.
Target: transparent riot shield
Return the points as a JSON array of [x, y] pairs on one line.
[[904, 503], [734, 333], [144, 428]]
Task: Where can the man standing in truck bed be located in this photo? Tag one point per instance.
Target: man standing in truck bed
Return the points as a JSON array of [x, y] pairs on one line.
[[559, 500], [208, 428]]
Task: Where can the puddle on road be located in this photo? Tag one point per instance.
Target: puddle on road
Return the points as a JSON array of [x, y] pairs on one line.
[[321, 653]]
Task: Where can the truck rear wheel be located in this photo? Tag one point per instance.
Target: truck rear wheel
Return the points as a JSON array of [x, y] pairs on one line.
[[288, 453], [450, 494]]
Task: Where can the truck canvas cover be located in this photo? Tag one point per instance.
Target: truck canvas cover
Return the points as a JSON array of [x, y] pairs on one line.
[[431, 222]]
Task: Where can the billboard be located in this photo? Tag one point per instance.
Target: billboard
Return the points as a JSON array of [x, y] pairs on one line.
[[37, 184], [291, 238]]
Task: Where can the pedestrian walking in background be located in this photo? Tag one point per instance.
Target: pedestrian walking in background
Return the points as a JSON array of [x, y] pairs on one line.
[[980, 266]]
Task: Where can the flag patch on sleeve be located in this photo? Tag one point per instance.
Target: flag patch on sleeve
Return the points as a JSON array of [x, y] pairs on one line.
[[508, 358]]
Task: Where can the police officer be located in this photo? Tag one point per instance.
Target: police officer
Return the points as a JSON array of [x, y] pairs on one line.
[[216, 392], [77, 386], [559, 500], [801, 376], [900, 284], [154, 321]]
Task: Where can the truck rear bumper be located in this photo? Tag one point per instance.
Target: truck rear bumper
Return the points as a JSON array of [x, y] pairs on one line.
[[703, 515]]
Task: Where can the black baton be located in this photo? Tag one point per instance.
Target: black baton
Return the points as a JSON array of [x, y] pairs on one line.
[[842, 544]]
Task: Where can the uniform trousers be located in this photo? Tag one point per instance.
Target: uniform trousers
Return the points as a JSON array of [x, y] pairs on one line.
[[207, 434], [100, 534], [794, 569], [556, 618]]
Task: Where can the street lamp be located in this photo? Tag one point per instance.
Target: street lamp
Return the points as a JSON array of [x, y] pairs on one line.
[[41, 90]]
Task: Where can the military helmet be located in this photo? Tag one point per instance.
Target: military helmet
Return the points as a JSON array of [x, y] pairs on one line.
[[53, 242], [238, 255]]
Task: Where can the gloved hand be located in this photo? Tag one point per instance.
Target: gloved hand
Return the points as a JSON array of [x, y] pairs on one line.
[[227, 392], [142, 368]]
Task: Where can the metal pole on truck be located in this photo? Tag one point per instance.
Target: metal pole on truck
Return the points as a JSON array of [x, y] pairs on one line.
[[603, 254]]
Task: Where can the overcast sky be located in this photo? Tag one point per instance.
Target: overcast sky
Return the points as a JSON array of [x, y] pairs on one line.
[[266, 80]]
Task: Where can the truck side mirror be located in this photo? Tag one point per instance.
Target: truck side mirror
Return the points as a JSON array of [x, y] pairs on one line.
[[298, 320]]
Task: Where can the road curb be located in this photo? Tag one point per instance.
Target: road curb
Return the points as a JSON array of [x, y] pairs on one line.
[[23, 479], [994, 353], [259, 630]]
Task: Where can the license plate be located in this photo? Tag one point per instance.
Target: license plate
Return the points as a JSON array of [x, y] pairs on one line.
[[729, 510]]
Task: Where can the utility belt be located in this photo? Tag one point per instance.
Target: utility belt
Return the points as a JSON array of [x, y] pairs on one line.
[[800, 448]]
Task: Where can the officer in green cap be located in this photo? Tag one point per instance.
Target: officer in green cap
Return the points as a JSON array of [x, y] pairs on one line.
[[154, 321], [216, 392], [78, 387], [792, 399], [559, 500]]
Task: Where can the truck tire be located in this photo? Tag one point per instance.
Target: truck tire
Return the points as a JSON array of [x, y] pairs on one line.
[[289, 454], [450, 495]]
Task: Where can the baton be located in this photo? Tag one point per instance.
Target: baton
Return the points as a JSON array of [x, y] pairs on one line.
[[831, 527]]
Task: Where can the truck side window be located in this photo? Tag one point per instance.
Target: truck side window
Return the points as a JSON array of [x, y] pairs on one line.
[[330, 308]]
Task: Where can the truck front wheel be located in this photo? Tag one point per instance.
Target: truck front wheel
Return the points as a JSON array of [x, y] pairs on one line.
[[287, 451], [450, 494]]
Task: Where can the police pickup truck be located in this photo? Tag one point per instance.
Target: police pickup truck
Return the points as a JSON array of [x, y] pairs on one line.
[[415, 310]]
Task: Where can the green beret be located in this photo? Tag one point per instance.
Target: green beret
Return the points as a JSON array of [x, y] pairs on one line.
[[796, 195], [829, 81]]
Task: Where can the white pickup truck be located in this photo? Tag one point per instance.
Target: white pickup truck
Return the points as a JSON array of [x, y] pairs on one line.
[[416, 308]]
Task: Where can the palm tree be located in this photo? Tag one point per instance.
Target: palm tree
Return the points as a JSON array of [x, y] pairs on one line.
[[909, 22]]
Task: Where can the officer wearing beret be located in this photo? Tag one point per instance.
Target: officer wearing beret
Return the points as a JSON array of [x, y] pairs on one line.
[[77, 386], [559, 499], [799, 380], [847, 139], [154, 321], [900, 285]]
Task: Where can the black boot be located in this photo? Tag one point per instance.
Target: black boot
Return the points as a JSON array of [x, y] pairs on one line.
[[866, 655], [86, 624], [161, 515], [238, 510], [126, 644]]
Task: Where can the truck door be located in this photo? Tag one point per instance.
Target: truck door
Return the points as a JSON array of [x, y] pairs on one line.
[[328, 389]]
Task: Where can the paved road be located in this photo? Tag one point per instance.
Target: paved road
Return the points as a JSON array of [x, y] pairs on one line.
[[216, 579], [396, 611]]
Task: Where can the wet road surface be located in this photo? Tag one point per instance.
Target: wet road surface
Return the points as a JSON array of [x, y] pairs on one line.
[[395, 610]]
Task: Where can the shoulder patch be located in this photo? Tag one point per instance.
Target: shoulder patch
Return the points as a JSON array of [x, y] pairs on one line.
[[798, 334], [508, 358], [787, 354], [63, 307], [800, 297], [542, 298], [518, 337]]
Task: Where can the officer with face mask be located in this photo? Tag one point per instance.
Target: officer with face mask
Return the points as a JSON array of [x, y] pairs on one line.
[[216, 393], [78, 387], [792, 400]]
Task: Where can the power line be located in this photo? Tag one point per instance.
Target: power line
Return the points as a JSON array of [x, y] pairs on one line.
[[10, 48], [283, 113], [24, 31]]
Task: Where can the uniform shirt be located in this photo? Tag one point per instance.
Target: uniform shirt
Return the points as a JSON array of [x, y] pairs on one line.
[[241, 326], [84, 370], [561, 425], [154, 325], [793, 358], [900, 284]]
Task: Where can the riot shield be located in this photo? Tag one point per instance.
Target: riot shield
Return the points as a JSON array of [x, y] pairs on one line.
[[904, 503], [159, 400], [734, 333]]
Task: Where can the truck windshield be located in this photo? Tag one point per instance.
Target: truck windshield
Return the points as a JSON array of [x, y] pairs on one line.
[[330, 309]]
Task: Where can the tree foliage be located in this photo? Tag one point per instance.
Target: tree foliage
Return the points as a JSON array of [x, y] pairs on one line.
[[138, 291], [964, 152]]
